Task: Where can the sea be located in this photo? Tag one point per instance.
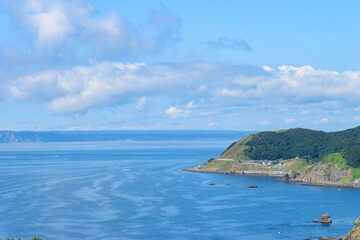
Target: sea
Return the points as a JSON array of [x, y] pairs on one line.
[[133, 189]]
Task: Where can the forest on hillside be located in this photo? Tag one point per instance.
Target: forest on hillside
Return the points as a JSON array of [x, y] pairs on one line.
[[305, 143]]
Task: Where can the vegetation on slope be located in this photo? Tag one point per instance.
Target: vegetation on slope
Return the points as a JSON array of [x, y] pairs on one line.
[[302, 143], [352, 156]]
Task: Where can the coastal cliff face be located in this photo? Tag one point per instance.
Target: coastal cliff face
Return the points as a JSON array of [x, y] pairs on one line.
[[324, 172], [12, 137], [354, 234]]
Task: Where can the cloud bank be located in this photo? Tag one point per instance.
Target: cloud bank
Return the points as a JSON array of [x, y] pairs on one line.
[[74, 29], [106, 83]]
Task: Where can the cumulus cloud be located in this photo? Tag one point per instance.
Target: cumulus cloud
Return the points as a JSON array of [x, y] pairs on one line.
[[61, 26], [229, 43], [300, 85], [83, 87], [174, 112], [99, 84]]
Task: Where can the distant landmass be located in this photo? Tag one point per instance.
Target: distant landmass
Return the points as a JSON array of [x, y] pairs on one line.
[[145, 135], [302, 155]]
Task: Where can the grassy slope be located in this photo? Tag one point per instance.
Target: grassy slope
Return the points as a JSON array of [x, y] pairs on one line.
[[218, 165], [236, 151], [336, 158], [298, 166]]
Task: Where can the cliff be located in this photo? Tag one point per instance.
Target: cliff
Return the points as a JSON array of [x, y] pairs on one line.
[[354, 234]]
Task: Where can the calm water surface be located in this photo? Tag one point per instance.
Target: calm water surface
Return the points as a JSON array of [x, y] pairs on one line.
[[137, 190]]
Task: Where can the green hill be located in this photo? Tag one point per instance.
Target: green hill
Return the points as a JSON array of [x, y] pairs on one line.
[[301, 143], [301, 155]]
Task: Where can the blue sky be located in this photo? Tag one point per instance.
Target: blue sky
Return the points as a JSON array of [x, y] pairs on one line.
[[148, 64]]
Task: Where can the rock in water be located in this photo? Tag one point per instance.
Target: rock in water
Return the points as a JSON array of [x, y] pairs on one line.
[[252, 186], [325, 219]]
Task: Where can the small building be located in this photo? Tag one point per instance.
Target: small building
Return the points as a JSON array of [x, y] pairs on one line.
[[271, 163], [264, 162], [252, 161]]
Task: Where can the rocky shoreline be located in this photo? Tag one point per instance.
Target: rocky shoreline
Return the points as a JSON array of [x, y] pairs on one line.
[[279, 175], [326, 184], [246, 172]]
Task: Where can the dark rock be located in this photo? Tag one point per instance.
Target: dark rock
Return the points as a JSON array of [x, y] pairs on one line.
[[325, 219]]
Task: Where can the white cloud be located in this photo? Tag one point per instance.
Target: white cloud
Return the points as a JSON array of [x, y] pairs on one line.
[[141, 103], [301, 84], [174, 112], [105, 83], [324, 120], [267, 68], [288, 120], [202, 88], [264, 123], [213, 124], [83, 87], [191, 104], [52, 25], [61, 25], [357, 118], [231, 93]]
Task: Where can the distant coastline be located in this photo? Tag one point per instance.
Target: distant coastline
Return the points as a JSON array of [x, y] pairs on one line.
[[116, 135]]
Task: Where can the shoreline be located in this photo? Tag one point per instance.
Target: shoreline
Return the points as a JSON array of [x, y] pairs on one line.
[[277, 175]]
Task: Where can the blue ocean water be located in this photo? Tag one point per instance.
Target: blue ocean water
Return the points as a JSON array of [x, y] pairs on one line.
[[138, 190]]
